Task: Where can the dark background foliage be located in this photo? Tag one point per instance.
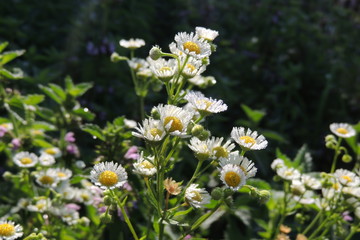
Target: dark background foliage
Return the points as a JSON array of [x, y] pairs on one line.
[[299, 61]]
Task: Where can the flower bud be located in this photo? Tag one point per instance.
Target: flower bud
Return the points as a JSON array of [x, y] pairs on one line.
[[155, 53], [330, 138], [264, 196], [217, 193], [229, 201], [197, 130], [107, 200], [115, 57], [7, 175], [228, 192], [105, 218], [35, 236], [346, 158], [155, 113], [204, 135], [330, 145]]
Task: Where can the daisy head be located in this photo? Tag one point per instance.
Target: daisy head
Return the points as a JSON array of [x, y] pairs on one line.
[[218, 149], [197, 197], [202, 82], [205, 105], [152, 130], [172, 187], [233, 176], [192, 45], [25, 159], [206, 33], [342, 130], [108, 175], [138, 63], [192, 68], [174, 119], [247, 139], [53, 151], [63, 173], [288, 173], [47, 178], [277, 163], [164, 69], [200, 148], [145, 165], [347, 178], [246, 165], [46, 159], [41, 205], [132, 43], [9, 230]]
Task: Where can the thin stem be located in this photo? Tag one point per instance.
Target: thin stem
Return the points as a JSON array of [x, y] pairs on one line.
[[142, 109], [307, 229], [352, 232], [337, 152]]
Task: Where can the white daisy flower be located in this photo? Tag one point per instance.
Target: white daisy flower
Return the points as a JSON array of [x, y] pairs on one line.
[[218, 149], [63, 173], [108, 175], [192, 68], [311, 182], [202, 81], [176, 51], [66, 190], [306, 199], [145, 165], [41, 206], [203, 104], [9, 230], [152, 130], [67, 215], [347, 178], [288, 173], [277, 163], [46, 159], [174, 119], [132, 43], [53, 151], [47, 178], [233, 176], [138, 63], [197, 197], [206, 33], [343, 130], [84, 196], [249, 140], [297, 187], [25, 159], [192, 45], [200, 148], [353, 191], [164, 69], [322, 203], [130, 123], [246, 165]]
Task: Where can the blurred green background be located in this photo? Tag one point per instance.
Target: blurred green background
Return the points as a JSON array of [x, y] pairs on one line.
[[296, 61]]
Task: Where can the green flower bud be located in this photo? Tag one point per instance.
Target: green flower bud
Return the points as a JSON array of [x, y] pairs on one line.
[[115, 57], [108, 200], [228, 192], [197, 130], [217, 193], [155, 113], [155, 53], [299, 218], [105, 218], [35, 236], [113, 207], [205, 61], [7, 176], [204, 135], [264, 196], [346, 158], [202, 156], [330, 145], [84, 221], [330, 138]]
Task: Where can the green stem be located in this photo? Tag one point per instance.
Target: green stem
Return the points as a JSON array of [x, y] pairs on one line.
[[307, 229], [337, 152], [283, 212], [126, 218], [142, 110], [354, 229]]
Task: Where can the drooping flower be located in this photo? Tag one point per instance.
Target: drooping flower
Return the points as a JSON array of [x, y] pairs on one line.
[[108, 175], [172, 186], [202, 81], [197, 197], [132, 43], [10, 231], [277, 163], [145, 165], [249, 140], [25, 159], [203, 104], [206, 33], [200, 148], [343, 130]]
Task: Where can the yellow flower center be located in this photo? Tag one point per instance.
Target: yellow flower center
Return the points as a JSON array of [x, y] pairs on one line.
[[50, 151], [206, 102], [85, 197], [108, 178], [155, 132], [192, 67], [26, 160], [6, 230], [176, 124], [220, 152], [335, 186], [46, 180], [192, 47], [197, 196], [40, 206], [61, 174], [147, 164], [342, 131], [347, 178], [248, 139], [288, 173], [163, 69], [232, 179]]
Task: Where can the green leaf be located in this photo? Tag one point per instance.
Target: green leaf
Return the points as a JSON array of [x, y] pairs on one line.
[[180, 213], [92, 214], [286, 159], [85, 114], [58, 90], [16, 74], [9, 56], [39, 125], [94, 130], [42, 143], [258, 183], [156, 225], [33, 99], [80, 89], [119, 121], [50, 93], [68, 83], [76, 179], [3, 46], [45, 113], [253, 115], [274, 136], [300, 156]]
